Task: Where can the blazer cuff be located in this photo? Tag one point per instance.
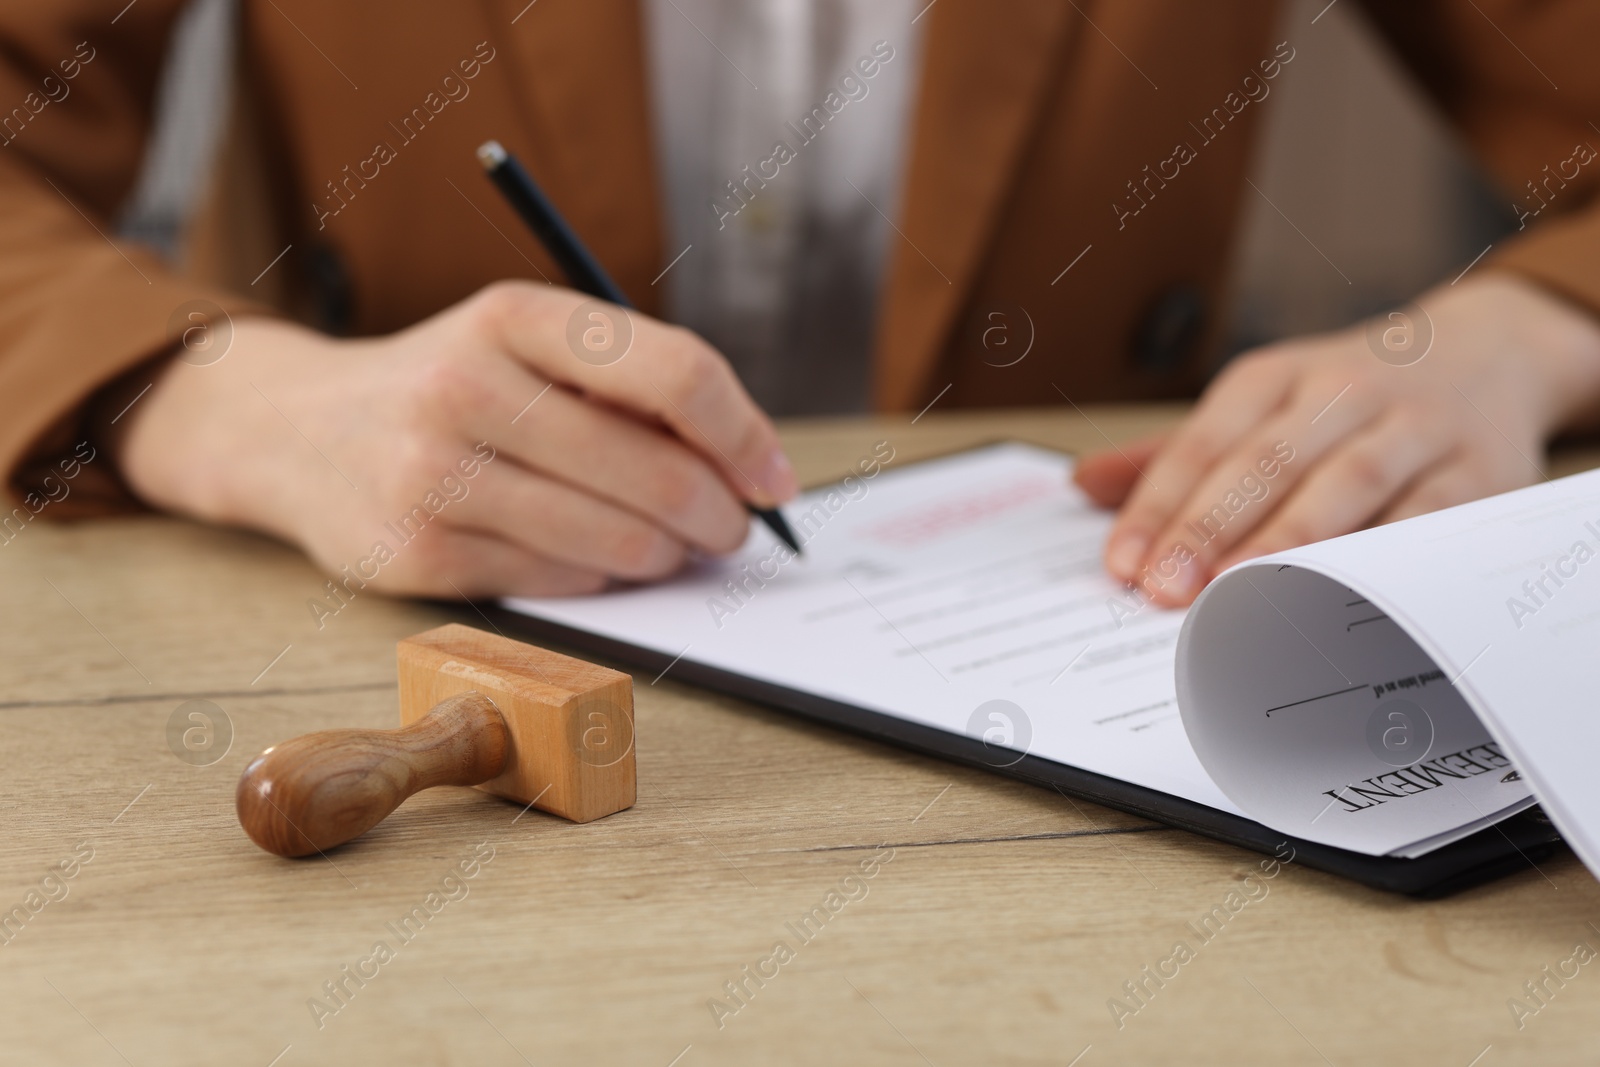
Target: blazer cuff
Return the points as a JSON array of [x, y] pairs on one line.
[[113, 315], [1562, 255]]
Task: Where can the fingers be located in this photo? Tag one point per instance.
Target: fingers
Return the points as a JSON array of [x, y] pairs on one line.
[[452, 562], [639, 469], [1345, 491], [1239, 400], [666, 374], [1245, 488], [569, 527], [1109, 475]]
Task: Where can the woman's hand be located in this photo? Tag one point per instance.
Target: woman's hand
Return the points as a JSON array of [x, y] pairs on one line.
[[476, 453], [1315, 437]]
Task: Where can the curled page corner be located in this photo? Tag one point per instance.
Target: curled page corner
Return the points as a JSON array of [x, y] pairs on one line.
[[1395, 689]]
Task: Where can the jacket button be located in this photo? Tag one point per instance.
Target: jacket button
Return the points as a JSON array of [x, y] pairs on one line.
[[332, 293], [1169, 330]]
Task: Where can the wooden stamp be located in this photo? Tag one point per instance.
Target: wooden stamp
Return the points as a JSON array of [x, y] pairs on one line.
[[533, 726]]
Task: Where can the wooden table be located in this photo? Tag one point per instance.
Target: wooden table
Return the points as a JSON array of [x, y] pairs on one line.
[[999, 922]]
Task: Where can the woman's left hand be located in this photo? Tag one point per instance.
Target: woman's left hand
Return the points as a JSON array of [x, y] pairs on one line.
[[1315, 437]]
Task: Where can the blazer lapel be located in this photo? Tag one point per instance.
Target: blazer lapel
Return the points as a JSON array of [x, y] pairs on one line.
[[579, 82], [985, 69]]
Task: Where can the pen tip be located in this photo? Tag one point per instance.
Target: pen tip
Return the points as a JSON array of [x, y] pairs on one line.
[[491, 154], [774, 520]]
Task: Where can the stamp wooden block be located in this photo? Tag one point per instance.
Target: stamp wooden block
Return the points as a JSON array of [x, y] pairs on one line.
[[571, 722]]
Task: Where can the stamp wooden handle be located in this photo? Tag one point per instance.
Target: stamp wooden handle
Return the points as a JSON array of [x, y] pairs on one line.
[[323, 789]]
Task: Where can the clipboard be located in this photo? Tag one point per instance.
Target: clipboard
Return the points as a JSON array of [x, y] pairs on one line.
[[1515, 844]]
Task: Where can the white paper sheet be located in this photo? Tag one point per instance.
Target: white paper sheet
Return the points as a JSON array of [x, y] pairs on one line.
[[964, 593], [1492, 609], [1320, 716]]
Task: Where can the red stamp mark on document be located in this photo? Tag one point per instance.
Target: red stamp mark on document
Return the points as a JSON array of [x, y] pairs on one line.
[[945, 517]]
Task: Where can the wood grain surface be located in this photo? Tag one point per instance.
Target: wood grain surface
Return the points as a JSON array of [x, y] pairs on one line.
[[950, 916]]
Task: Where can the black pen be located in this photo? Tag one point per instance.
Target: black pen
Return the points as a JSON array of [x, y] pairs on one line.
[[583, 271]]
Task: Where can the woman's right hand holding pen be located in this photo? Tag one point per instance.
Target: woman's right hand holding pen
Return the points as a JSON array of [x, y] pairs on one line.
[[601, 468]]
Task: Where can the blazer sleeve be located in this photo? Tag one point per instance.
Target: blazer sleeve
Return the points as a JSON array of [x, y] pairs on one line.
[[77, 308], [1519, 80]]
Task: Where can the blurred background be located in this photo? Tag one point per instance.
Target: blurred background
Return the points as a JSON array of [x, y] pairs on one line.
[[1352, 153]]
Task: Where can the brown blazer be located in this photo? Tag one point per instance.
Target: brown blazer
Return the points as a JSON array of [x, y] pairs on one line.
[[1109, 135]]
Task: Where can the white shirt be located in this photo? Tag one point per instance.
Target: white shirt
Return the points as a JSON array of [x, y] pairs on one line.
[[781, 129]]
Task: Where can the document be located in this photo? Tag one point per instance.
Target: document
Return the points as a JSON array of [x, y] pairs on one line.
[[1387, 692], [964, 593]]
